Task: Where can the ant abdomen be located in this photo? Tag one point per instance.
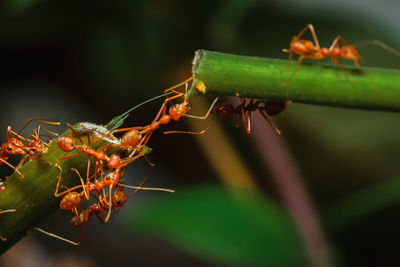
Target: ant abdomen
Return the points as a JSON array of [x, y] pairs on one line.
[[131, 138], [274, 108], [70, 201], [66, 143]]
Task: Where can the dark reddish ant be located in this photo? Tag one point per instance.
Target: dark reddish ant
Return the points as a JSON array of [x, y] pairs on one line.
[[244, 109]]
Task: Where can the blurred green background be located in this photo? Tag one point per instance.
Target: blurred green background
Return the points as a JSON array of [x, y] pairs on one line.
[[72, 61]]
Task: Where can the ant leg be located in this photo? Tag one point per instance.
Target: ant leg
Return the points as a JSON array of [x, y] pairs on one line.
[[381, 45], [338, 40], [266, 117], [207, 114], [47, 130], [146, 189], [85, 190], [248, 124], [294, 71], [334, 61], [70, 156], [107, 218], [31, 119], [284, 115], [9, 132], [75, 133], [243, 113], [56, 194], [21, 162], [6, 211], [148, 161], [289, 60], [314, 35], [187, 132], [15, 169], [178, 85], [59, 237]]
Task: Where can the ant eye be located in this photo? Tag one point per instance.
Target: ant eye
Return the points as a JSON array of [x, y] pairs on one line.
[[9, 148]]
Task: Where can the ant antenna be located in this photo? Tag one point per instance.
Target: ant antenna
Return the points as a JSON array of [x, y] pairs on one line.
[[56, 236], [118, 120], [148, 188], [380, 44]]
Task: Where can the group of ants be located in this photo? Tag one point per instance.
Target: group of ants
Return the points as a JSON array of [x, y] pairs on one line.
[[103, 181]]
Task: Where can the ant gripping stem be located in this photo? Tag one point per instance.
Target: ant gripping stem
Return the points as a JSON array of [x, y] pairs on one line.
[[244, 109], [308, 50]]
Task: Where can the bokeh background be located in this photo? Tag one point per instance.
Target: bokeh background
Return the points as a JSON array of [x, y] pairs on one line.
[[325, 193]]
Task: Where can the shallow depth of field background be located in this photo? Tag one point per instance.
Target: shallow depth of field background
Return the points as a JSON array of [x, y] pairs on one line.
[[72, 61]]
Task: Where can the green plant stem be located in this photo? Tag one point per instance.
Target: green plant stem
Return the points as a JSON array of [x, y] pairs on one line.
[[33, 196], [262, 78]]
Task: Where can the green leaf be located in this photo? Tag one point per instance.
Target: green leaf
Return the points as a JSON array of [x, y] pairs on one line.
[[363, 203], [240, 227]]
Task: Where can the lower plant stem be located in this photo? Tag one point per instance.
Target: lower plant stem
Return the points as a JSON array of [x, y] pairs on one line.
[[292, 191]]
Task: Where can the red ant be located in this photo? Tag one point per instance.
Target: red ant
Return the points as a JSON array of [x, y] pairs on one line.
[[244, 109], [82, 218], [310, 50], [72, 199], [15, 145], [134, 135], [114, 162], [117, 200]]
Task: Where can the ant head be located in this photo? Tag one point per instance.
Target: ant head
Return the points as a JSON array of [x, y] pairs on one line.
[[119, 198], [115, 162], [66, 143], [108, 179], [224, 111], [350, 52], [179, 110], [13, 146]]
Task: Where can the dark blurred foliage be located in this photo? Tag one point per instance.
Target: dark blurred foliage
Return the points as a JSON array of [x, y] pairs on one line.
[[76, 61]]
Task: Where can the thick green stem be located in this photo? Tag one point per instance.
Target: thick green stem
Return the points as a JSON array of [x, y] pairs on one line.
[[33, 196], [263, 78]]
